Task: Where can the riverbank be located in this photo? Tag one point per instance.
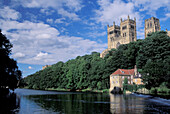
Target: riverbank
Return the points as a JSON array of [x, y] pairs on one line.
[[83, 90], [88, 90]]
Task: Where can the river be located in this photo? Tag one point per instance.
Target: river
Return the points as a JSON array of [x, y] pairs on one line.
[[27, 101]]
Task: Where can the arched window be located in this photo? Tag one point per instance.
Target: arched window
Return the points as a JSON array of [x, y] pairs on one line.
[[118, 44]]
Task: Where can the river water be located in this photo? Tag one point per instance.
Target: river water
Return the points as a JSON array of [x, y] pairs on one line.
[[27, 101]]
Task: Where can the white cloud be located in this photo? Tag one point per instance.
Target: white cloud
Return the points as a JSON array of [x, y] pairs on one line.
[[96, 34], [18, 55], [50, 21], [167, 16], [151, 6], [65, 13], [40, 56], [47, 11], [8, 13], [48, 7], [114, 11], [39, 43], [61, 20]]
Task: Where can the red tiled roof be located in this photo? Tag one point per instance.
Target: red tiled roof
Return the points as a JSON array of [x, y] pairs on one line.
[[124, 72]]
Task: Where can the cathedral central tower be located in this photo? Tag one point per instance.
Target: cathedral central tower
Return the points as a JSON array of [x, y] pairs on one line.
[[123, 34]]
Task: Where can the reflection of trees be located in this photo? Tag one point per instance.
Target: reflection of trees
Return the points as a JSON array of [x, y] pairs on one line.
[[73, 103], [9, 104]]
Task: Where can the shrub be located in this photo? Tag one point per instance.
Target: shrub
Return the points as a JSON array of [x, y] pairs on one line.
[[153, 90]]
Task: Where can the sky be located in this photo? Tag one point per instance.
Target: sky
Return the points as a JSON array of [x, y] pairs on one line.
[[44, 32]]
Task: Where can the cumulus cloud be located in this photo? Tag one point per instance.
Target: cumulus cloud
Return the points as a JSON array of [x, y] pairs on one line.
[[39, 43], [8, 13], [50, 21], [18, 55], [167, 16], [48, 8], [61, 20], [96, 34], [113, 11], [65, 13], [151, 6]]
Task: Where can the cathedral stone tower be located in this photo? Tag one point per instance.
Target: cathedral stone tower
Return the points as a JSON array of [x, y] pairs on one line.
[[152, 25], [123, 34]]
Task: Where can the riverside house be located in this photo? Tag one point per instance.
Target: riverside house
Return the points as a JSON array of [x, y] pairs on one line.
[[117, 78]]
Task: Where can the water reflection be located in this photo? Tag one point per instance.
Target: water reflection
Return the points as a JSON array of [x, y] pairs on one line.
[[9, 104], [72, 102], [134, 104]]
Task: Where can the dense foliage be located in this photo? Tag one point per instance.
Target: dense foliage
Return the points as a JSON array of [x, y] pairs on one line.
[[154, 59], [152, 55], [9, 73]]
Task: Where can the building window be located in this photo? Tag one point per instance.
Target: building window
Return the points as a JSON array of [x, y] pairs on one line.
[[123, 77], [135, 80], [128, 82], [148, 25], [151, 24], [122, 71], [111, 32], [132, 27], [124, 27], [132, 34], [112, 82]]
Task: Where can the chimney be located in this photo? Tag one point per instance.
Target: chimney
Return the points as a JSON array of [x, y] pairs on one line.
[[135, 69]]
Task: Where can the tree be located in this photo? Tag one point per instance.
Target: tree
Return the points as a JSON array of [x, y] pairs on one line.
[[9, 73], [125, 84], [154, 59]]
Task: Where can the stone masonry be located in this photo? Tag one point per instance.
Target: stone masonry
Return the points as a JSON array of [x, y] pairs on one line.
[[123, 34]]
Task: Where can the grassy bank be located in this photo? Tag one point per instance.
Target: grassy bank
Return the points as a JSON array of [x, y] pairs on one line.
[[83, 90]]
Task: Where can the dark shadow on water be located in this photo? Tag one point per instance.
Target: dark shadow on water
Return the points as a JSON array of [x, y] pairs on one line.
[[9, 103], [73, 103]]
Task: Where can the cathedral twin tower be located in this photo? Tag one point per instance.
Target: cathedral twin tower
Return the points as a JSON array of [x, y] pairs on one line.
[[126, 32]]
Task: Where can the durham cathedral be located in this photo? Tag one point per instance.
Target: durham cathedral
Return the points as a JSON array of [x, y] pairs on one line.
[[126, 32]]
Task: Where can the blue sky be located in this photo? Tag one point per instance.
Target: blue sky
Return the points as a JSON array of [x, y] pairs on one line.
[[47, 31]]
